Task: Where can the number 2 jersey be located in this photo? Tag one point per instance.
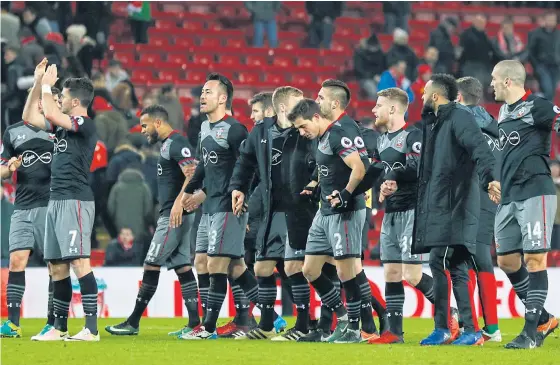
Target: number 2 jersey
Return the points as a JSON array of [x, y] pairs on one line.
[[341, 139], [175, 153], [399, 153], [35, 146], [73, 154], [524, 141]]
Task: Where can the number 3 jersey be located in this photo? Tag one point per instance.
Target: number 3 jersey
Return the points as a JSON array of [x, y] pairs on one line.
[[35, 146], [174, 154], [73, 154], [524, 142], [340, 140], [399, 153]]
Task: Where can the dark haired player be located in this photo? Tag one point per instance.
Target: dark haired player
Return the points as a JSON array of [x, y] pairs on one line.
[[337, 227], [171, 242], [261, 106], [223, 232], [71, 210], [524, 219], [28, 150], [333, 99]]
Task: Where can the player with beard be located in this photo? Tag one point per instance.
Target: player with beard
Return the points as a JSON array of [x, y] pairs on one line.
[[224, 233], [399, 151], [27, 150], [272, 150], [333, 99], [525, 216], [70, 212], [469, 95], [261, 107], [448, 203], [170, 245], [337, 227]]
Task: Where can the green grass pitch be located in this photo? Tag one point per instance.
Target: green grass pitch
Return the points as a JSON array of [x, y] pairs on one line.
[[153, 346]]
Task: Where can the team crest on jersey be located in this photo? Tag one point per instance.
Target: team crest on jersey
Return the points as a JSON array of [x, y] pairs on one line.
[[521, 112], [51, 136], [220, 133], [186, 152], [359, 142], [400, 141], [416, 147], [79, 120]]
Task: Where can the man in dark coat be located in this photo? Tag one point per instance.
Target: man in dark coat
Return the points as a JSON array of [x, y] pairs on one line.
[[448, 203], [271, 149], [470, 94]]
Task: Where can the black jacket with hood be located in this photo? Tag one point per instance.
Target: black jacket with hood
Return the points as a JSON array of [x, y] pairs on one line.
[[255, 156], [448, 202]]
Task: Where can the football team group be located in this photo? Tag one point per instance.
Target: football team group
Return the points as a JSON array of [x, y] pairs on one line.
[[300, 184]]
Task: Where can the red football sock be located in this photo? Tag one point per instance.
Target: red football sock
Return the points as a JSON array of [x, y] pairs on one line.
[[488, 293]]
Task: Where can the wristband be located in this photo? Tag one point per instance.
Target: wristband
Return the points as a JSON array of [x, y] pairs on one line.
[[46, 89]]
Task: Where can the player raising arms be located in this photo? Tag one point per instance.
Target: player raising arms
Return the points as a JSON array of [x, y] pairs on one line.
[[525, 216], [70, 212], [336, 229], [28, 150], [171, 243], [224, 233]]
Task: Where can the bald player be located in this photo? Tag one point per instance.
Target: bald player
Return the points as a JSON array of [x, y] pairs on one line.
[[525, 216]]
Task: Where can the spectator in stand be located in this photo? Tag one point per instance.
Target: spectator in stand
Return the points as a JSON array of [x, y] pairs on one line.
[[402, 51], [14, 97], [540, 24], [424, 75], [440, 38], [130, 203], [102, 99], [369, 64], [81, 47], [112, 129], [263, 14], [431, 56], [169, 100], [555, 173], [31, 52], [140, 17], [96, 17], [125, 156], [544, 55], [10, 25], [395, 77], [396, 15], [126, 101], [321, 22], [124, 250], [196, 119], [509, 43], [115, 74], [39, 25], [478, 54]]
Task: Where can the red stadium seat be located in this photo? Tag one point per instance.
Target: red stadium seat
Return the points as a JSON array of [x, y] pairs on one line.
[[230, 61], [194, 26], [178, 58], [151, 57], [304, 80], [256, 61], [289, 45], [184, 42], [235, 43], [211, 42], [125, 57], [274, 79], [159, 40], [141, 76], [169, 76], [203, 59], [166, 24], [282, 61], [248, 77], [196, 77]]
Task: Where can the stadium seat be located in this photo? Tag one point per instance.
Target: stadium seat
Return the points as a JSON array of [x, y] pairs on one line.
[[236, 43], [230, 61], [203, 59], [168, 76], [159, 40], [196, 77], [184, 42], [282, 61], [151, 57], [141, 76], [256, 61], [248, 77], [166, 24], [178, 58]]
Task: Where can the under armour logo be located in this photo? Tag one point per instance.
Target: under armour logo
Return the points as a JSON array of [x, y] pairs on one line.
[[534, 310], [513, 139], [298, 252], [263, 140], [535, 244], [20, 136], [30, 157], [73, 250]]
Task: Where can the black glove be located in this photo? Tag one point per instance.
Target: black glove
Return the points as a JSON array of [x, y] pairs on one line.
[[344, 196], [315, 195]]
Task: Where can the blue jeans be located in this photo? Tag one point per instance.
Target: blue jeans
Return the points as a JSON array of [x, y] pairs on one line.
[[548, 79], [271, 32], [320, 34]]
